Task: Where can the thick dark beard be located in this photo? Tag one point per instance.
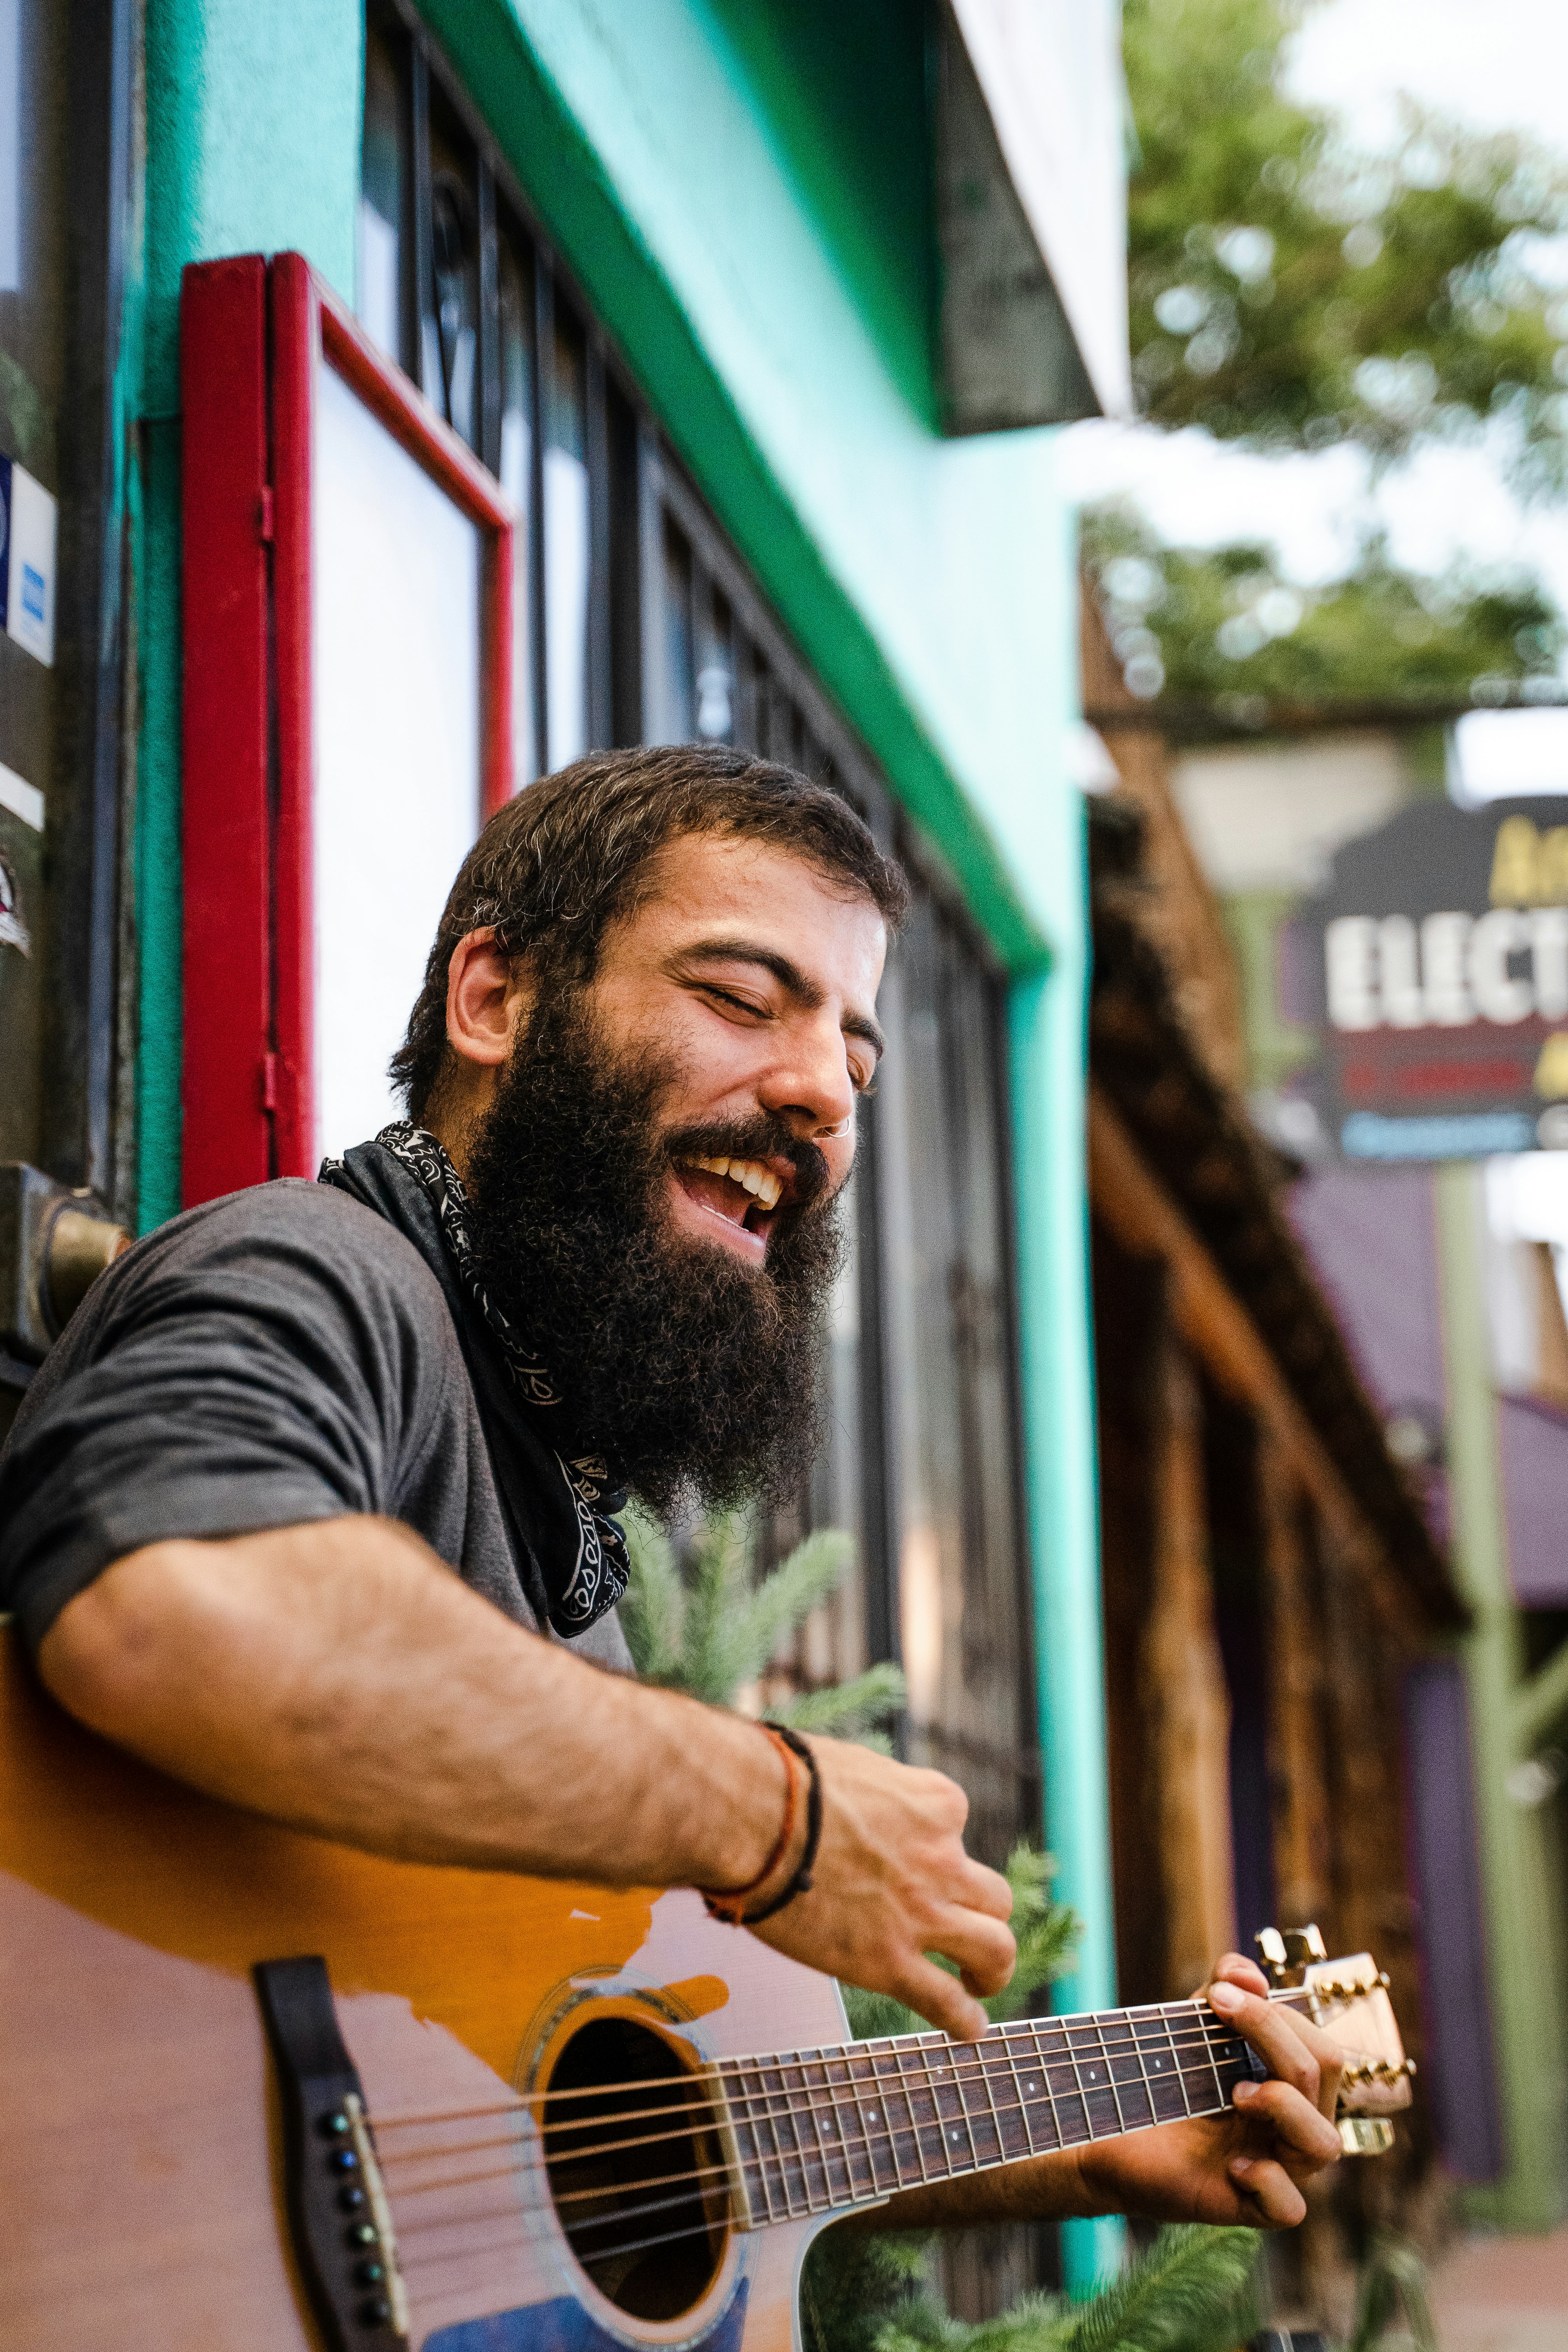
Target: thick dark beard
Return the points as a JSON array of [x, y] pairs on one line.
[[697, 1373]]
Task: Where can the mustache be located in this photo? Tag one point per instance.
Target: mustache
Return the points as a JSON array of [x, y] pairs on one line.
[[768, 1136]]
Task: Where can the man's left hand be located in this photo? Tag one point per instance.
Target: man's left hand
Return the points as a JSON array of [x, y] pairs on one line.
[[1248, 2166]]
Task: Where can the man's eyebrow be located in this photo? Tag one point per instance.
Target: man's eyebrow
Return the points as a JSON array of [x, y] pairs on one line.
[[790, 978]]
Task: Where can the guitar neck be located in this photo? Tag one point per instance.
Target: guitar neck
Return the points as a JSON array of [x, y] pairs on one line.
[[814, 2131]]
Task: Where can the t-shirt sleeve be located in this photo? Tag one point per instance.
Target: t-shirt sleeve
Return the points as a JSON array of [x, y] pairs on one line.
[[257, 1365]]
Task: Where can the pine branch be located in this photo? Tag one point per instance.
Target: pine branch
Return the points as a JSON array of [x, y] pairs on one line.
[[717, 1604], [813, 1570], [1193, 2291], [847, 1710], [653, 1609], [1048, 1933]]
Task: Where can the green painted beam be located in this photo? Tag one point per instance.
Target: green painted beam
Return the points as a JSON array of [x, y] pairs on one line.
[[1046, 1013], [1540, 1706], [1520, 1866]]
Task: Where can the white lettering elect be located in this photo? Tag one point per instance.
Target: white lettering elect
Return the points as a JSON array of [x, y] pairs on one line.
[[1450, 970]]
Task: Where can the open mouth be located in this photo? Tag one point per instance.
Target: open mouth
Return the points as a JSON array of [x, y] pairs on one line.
[[743, 1195]]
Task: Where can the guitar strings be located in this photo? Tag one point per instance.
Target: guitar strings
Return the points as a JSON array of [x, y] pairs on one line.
[[1014, 2030], [767, 2111], [991, 2064], [425, 2262]]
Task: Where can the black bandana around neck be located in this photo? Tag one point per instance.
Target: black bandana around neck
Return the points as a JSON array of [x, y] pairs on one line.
[[582, 1555]]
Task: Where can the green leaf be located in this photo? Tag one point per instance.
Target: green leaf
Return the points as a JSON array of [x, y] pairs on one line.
[[1289, 291], [1232, 630]]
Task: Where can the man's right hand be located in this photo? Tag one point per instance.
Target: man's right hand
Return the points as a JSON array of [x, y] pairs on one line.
[[891, 1883]]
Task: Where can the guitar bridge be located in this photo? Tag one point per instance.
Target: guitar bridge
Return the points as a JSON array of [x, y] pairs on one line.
[[338, 2212]]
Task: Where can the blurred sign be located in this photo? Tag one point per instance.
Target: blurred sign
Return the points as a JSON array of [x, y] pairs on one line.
[[28, 532], [1435, 964]]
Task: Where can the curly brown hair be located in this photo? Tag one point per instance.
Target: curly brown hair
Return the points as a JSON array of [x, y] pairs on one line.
[[573, 853]]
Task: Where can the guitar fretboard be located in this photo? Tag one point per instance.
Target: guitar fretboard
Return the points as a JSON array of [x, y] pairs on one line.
[[816, 2130]]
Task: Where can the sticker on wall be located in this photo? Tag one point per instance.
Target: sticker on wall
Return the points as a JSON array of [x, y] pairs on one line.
[[13, 929], [23, 799], [28, 528]]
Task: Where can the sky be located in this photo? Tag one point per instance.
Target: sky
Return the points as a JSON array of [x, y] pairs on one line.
[[1501, 66]]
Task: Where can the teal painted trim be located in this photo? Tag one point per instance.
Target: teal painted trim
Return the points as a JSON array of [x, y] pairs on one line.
[[1093, 2254], [158, 905], [568, 181], [1047, 1058], [253, 146]]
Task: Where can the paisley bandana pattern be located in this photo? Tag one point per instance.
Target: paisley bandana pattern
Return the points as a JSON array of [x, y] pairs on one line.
[[585, 1497]]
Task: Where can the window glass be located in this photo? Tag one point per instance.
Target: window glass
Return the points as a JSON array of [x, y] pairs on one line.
[[515, 290], [382, 196], [566, 545], [714, 716], [961, 1591], [451, 338], [397, 807], [679, 713]]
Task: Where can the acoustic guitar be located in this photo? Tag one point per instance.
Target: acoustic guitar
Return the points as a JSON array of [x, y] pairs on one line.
[[262, 2093]]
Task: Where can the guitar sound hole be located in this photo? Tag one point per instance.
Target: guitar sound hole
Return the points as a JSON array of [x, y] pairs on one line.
[[635, 2168]]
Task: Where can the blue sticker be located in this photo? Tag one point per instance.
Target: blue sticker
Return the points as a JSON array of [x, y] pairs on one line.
[[562, 2325], [32, 591]]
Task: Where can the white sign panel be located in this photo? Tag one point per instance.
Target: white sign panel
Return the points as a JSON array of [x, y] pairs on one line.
[[27, 530]]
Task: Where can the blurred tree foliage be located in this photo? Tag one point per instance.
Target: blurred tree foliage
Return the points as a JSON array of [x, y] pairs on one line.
[[1223, 627], [1292, 293]]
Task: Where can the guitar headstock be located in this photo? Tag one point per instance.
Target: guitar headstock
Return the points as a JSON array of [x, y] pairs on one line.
[[1348, 2000]]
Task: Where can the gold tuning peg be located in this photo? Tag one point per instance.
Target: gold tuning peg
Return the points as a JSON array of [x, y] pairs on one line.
[[1270, 1945], [1298, 1947]]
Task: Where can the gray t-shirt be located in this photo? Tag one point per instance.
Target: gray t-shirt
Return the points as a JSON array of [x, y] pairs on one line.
[[279, 1356]]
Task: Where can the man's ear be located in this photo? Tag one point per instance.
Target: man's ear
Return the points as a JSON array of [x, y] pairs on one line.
[[488, 994]]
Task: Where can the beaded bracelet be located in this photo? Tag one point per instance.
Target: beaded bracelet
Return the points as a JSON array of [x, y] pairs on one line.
[[731, 1906]]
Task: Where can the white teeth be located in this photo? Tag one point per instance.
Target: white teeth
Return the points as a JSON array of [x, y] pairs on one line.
[[759, 1181]]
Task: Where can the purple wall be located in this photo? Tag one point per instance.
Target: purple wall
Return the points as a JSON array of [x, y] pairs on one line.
[[1372, 1235], [1445, 1873], [1532, 1440]]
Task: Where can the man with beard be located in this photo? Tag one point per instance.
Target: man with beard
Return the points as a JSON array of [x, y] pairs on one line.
[[593, 1260]]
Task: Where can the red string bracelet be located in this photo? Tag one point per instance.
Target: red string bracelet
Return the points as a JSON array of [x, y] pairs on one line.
[[730, 1905]]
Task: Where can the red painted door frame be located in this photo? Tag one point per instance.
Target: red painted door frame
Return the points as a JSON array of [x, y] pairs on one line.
[[254, 336]]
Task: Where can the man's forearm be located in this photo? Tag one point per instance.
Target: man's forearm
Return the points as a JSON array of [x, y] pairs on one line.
[[340, 1678]]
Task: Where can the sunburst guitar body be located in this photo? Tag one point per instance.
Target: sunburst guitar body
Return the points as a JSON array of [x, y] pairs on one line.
[[265, 2093]]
